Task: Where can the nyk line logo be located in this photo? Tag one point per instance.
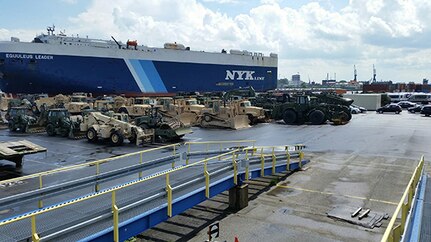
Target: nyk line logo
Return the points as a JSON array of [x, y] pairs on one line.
[[242, 76]]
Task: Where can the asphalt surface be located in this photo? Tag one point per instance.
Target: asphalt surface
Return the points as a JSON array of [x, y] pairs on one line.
[[371, 157]]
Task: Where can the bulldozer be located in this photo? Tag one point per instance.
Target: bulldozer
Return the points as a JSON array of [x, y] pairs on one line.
[[60, 122], [134, 107], [165, 128], [185, 110], [315, 109], [99, 126], [220, 114]]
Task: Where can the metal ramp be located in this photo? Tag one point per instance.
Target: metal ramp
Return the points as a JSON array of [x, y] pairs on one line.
[[122, 211]]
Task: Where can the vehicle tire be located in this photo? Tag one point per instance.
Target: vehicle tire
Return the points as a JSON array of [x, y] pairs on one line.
[[380, 111], [207, 118], [316, 117], [344, 117], [116, 138], [64, 132], [289, 117], [427, 115], [123, 110], [397, 112], [50, 130], [132, 139], [11, 126], [91, 135]]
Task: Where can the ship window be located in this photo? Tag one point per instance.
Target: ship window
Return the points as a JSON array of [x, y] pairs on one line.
[[70, 43]]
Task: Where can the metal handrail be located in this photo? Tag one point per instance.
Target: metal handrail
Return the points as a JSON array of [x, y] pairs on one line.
[[106, 191], [168, 189], [92, 163], [394, 233]]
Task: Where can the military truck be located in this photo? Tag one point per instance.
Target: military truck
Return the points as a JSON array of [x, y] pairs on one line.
[[254, 114], [60, 122], [165, 128], [134, 107], [100, 126], [315, 109], [78, 103]]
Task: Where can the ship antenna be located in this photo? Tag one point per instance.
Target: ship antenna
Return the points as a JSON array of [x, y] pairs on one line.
[[119, 46]]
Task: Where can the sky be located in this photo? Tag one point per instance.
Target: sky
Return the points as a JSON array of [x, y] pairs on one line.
[[311, 38]]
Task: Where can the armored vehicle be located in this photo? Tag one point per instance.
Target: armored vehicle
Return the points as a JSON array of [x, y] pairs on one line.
[[316, 109]]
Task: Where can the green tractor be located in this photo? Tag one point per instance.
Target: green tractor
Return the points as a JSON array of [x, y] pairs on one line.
[[166, 129], [59, 122], [19, 118], [315, 109]]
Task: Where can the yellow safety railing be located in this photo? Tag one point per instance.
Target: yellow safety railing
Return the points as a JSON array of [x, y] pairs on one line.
[[115, 209], [168, 188], [92, 163], [394, 232], [218, 144]]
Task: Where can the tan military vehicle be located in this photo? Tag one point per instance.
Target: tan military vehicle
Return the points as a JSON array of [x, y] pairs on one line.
[[115, 128], [223, 115], [134, 107], [49, 102], [254, 114], [79, 102]]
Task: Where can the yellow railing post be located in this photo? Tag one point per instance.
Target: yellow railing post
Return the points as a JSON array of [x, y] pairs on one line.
[[287, 159], [34, 235], [246, 172], [187, 155], [274, 160], [40, 202], [207, 180], [140, 163], [169, 195], [301, 157], [97, 187], [235, 169], [262, 165], [173, 163], [115, 218], [252, 151], [174, 152]]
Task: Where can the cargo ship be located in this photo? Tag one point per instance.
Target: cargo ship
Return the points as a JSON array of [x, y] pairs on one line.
[[55, 63]]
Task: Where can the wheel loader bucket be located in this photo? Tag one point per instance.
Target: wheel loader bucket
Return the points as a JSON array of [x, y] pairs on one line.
[[240, 122], [188, 119]]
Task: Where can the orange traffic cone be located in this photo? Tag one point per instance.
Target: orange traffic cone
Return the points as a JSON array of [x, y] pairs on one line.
[[236, 239]]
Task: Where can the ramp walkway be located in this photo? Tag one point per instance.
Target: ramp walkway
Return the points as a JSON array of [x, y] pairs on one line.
[[124, 209]]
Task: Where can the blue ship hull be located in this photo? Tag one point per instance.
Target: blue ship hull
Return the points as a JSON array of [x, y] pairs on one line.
[[32, 73]]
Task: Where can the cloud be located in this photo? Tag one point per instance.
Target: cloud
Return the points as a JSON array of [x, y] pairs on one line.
[[392, 34]]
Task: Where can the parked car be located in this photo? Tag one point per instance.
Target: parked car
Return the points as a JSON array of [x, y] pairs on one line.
[[426, 110], [416, 109], [354, 110], [362, 109], [394, 108], [407, 104]]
